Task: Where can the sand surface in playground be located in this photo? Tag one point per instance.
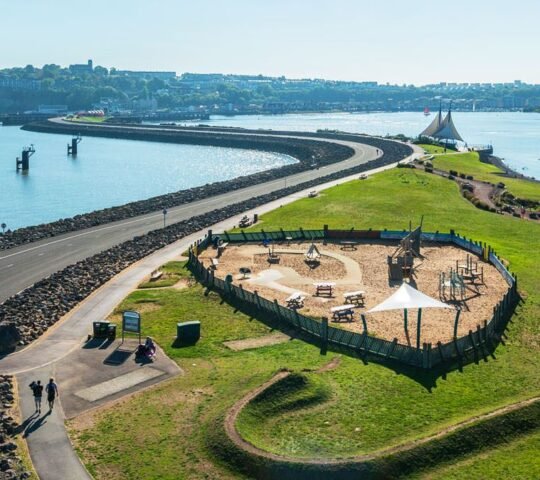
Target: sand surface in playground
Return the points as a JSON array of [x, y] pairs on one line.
[[365, 269]]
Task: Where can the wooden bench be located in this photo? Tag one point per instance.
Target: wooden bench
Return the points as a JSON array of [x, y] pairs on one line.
[[156, 275], [357, 298], [343, 312], [348, 245], [324, 288], [296, 300], [221, 248]]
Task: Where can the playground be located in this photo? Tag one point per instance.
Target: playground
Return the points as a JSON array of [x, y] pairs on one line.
[[343, 280]]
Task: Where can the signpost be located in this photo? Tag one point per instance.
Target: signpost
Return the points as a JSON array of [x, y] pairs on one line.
[[131, 323]]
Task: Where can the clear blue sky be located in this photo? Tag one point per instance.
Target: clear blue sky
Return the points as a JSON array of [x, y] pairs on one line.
[[396, 41]]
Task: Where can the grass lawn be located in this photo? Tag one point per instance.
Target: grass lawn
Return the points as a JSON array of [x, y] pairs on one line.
[[173, 272], [469, 163], [433, 148], [89, 119], [518, 460], [353, 409]]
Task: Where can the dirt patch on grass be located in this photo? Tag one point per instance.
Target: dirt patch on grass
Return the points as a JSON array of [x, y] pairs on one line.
[[258, 342], [331, 365]]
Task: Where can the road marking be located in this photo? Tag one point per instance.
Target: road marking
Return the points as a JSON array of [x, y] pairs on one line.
[[7, 266]]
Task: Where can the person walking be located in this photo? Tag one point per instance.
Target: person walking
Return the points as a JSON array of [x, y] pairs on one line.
[[52, 392], [37, 391]]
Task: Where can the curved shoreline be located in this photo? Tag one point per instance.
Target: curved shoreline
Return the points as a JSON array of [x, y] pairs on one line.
[[321, 150]]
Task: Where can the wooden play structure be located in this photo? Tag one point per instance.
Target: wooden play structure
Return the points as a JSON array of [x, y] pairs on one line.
[[273, 257], [401, 262]]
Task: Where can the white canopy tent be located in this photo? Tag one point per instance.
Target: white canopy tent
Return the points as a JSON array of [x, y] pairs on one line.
[[407, 297]]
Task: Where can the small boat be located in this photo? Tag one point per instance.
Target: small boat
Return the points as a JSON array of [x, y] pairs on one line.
[[426, 112]]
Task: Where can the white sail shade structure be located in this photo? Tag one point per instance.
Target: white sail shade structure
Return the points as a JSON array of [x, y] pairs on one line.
[[407, 297]]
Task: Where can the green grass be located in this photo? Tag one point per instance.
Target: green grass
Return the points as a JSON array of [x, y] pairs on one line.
[[470, 164], [89, 119], [517, 460], [432, 148], [163, 433], [173, 272]]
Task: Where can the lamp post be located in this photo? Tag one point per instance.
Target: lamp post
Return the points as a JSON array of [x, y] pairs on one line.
[[164, 217], [3, 228]]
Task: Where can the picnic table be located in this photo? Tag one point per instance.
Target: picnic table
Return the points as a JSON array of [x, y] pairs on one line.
[[296, 300], [348, 245], [245, 221], [221, 248], [343, 312], [357, 297], [326, 288], [289, 240]]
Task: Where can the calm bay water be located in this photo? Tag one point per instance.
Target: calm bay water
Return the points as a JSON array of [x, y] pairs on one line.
[[111, 172], [108, 172], [515, 136]]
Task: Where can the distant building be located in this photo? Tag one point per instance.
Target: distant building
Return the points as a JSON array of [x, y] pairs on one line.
[[15, 83], [147, 75], [82, 68], [52, 109]]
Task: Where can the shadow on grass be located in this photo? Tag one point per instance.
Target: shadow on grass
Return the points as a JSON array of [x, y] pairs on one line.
[[425, 377]]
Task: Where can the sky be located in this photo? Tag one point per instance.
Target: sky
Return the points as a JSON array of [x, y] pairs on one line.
[[396, 41]]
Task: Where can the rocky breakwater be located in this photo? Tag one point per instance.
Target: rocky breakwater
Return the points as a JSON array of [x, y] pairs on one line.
[[11, 467], [308, 152], [32, 311]]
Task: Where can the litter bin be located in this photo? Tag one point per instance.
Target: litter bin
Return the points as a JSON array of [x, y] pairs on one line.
[[111, 331], [101, 329], [188, 333]]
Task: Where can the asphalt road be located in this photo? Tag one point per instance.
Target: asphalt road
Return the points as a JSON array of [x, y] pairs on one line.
[[23, 266]]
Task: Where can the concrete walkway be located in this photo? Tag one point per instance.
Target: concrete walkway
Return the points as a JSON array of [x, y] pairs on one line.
[[49, 445]]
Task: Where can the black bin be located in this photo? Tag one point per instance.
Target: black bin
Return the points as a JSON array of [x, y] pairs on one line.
[[101, 329], [111, 331]]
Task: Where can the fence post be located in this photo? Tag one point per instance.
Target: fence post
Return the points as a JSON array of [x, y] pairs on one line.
[[425, 354], [363, 317], [418, 327], [456, 321], [324, 336]]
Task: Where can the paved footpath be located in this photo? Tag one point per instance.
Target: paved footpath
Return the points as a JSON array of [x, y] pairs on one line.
[[49, 445]]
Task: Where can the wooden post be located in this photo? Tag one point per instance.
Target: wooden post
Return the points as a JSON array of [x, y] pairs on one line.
[[405, 320], [324, 335], [418, 327], [363, 317], [456, 322]]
